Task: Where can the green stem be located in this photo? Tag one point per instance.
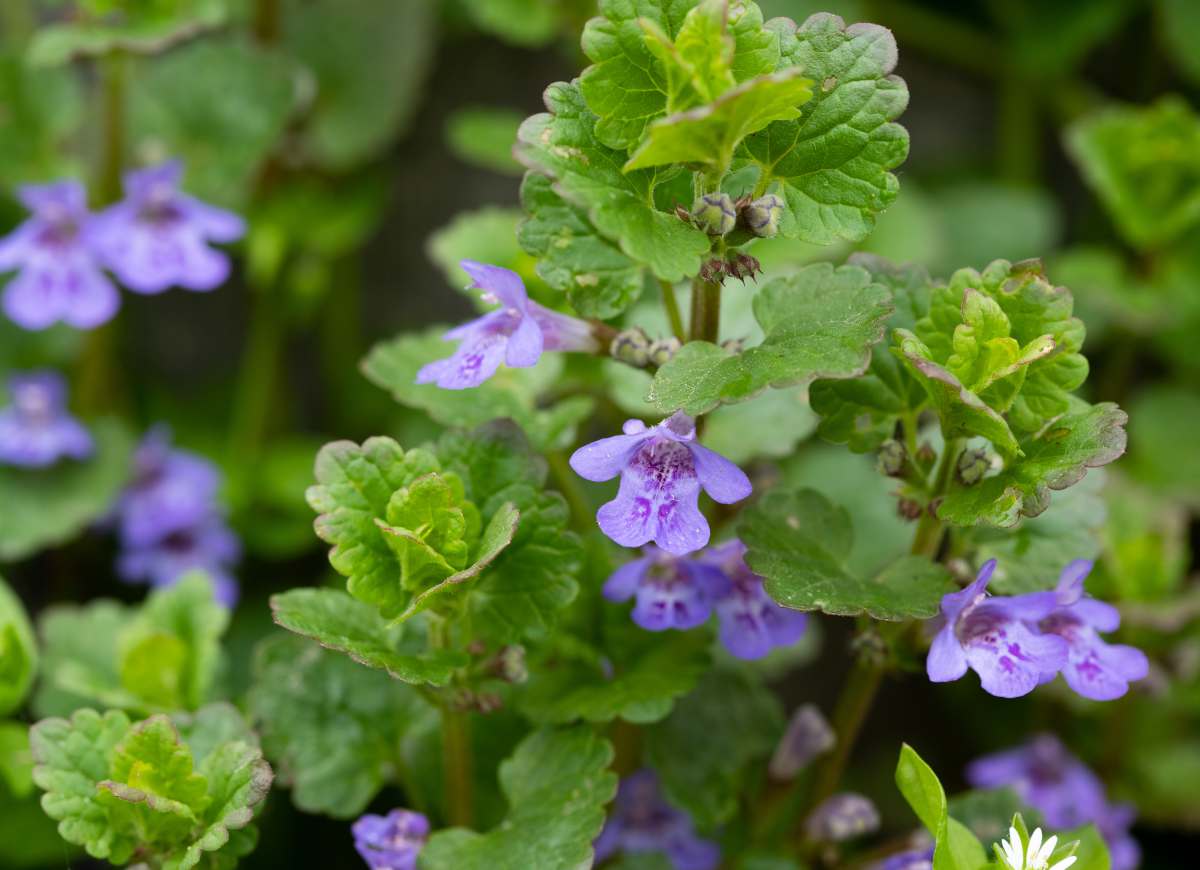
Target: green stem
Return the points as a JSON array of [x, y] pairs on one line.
[[941, 37], [267, 16], [256, 384], [858, 693], [456, 747], [99, 375], [17, 21], [928, 538], [697, 317], [1017, 156], [712, 312], [671, 304]]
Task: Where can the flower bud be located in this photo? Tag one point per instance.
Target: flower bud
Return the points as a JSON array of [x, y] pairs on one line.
[[714, 213], [662, 350], [733, 345], [909, 508], [761, 216], [926, 457], [972, 466], [510, 664], [631, 346], [808, 735], [842, 817], [892, 458]]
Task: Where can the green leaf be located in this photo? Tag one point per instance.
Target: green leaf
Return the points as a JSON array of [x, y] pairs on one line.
[[1143, 162], [18, 651], [598, 279], [483, 136], [169, 654], [338, 622], [557, 784], [221, 105], [79, 655], [330, 727], [527, 23], [1179, 29], [818, 323], [139, 28], [704, 751], [642, 688], [430, 527], [709, 135], [42, 110], [72, 758], [1054, 460], [862, 411], [47, 507], [799, 542], [369, 66], [956, 847], [1163, 418], [620, 205], [832, 164], [16, 761], [768, 427], [654, 57], [511, 393]]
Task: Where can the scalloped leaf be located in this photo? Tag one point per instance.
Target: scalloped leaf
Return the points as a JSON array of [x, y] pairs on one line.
[[819, 323], [18, 651]]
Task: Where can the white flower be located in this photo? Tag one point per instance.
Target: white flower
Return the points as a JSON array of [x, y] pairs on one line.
[[1036, 856]]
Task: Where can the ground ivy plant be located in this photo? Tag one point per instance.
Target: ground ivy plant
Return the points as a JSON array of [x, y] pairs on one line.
[[550, 626]]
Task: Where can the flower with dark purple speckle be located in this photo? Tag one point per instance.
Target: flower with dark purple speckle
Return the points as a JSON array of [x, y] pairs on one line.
[[391, 842], [671, 591], [58, 276], [642, 821], [158, 237], [209, 547], [171, 490], [913, 859], [515, 334], [35, 428], [993, 636], [752, 623], [662, 469]]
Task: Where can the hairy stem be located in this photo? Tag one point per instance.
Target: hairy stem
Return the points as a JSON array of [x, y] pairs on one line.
[[928, 538], [697, 317], [456, 746], [671, 304], [858, 693], [267, 17], [99, 374], [254, 402]]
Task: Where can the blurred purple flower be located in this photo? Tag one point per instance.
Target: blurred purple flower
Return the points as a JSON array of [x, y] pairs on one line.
[[158, 237], [172, 490], [994, 637], [752, 624], [36, 429], [58, 277], [671, 592], [914, 859], [842, 817], [808, 735], [209, 547], [1095, 669], [642, 821], [391, 842], [1045, 775], [515, 334], [662, 469]]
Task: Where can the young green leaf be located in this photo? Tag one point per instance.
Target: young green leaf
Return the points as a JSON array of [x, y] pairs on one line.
[[557, 784], [599, 280], [79, 655], [799, 542], [511, 393], [330, 726], [819, 323], [1144, 164], [338, 622], [1053, 460], [956, 847], [620, 205], [48, 507], [704, 750], [18, 651], [832, 164]]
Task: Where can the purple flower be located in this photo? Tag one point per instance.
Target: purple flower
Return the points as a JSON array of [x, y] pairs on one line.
[[515, 334], [1095, 669], [1045, 775], [171, 490], [671, 592], [391, 842], [752, 624], [993, 636], [35, 428], [209, 547], [914, 859], [842, 817], [642, 821], [58, 277], [808, 735], [662, 469], [158, 237]]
